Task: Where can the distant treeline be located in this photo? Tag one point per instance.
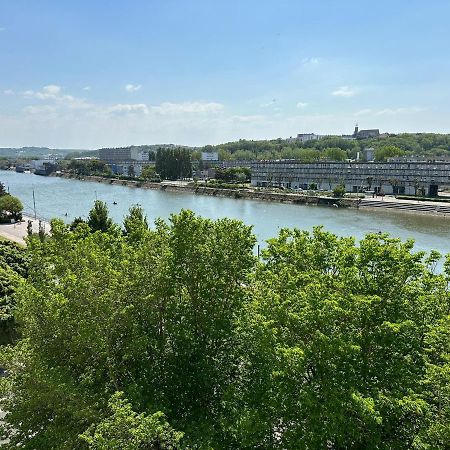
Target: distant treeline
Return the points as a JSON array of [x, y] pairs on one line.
[[333, 147]]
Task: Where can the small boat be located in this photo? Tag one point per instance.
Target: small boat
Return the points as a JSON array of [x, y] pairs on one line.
[[114, 203]]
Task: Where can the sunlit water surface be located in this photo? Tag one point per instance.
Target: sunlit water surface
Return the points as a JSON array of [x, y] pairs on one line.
[[57, 196]]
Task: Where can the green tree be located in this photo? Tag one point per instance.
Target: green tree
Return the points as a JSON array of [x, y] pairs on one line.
[[135, 223], [76, 222], [11, 207], [324, 343], [173, 163], [98, 218], [148, 172], [335, 154], [387, 151], [339, 190], [9, 281], [13, 267], [127, 430], [335, 339], [153, 319]]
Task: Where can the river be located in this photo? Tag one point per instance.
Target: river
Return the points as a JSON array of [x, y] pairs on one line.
[[57, 196]]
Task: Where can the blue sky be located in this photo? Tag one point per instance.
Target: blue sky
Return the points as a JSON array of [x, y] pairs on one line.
[[86, 74]]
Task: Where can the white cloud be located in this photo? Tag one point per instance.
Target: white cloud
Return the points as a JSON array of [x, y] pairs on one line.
[[51, 91], [246, 119], [301, 105], [188, 107], [389, 111], [127, 108], [2, 29], [87, 88], [312, 61], [8, 92], [54, 93], [39, 109], [132, 87], [396, 111], [363, 112], [344, 91]]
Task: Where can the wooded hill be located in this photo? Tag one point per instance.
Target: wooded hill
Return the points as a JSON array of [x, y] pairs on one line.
[[333, 147]]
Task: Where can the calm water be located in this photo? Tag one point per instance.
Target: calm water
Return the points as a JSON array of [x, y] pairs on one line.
[[57, 196]]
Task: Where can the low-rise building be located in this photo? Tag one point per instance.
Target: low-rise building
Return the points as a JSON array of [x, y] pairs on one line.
[[409, 178], [369, 154], [129, 168], [210, 156], [112, 155]]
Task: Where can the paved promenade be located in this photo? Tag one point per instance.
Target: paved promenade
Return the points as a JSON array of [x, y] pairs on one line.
[[17, 232]]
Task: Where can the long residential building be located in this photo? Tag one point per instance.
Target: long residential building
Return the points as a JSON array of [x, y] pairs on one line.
[[406, 177], [112, 155]]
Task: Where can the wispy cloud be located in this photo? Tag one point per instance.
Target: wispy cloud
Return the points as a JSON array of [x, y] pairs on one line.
[[363, 112], [8, 92], [344, 91], [2, 29], [53, 93], [87, 88], [140, 108], [188, 107], [389, 111], [311, 61], [133, 87], [39, 109], [248, 119], [302, 105], [397, 111]]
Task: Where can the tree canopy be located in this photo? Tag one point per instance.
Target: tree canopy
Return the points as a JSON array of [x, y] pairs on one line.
[[173, 163], [10, 207], [13, 268], [419, 144], [177, 336], [98, 219]]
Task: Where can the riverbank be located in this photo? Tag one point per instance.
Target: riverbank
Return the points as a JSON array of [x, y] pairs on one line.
[[434, 208], [239, 193], [17, 232]]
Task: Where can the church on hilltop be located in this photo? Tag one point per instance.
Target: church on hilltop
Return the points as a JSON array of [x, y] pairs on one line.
[[365, 134]]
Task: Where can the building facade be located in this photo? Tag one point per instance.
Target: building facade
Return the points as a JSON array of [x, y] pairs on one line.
[[129, 168], [210, 156], [365, 134], [410, 178], [113, 155]]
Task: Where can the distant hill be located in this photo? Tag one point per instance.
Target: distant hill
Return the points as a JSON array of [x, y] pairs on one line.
[[151, 147], [37, 152], [418, 144]]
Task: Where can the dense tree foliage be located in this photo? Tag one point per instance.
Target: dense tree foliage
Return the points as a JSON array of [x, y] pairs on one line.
[[176, 336], [427, 144], [10, 208], [127, 430], [233, 174], [13, 268], [98, 219], [135, 223], [149, 173], [384, 152], [88, 167], [173, 163]]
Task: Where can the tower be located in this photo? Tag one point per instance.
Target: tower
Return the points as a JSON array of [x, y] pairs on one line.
[[355, 133]]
